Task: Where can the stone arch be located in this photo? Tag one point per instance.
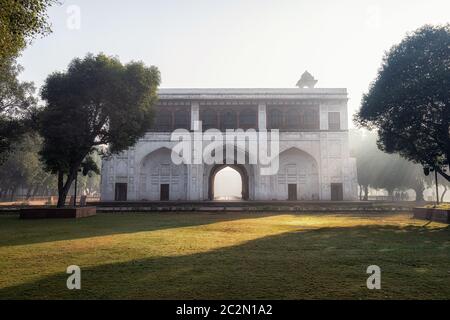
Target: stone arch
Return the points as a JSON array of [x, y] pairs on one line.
[[247, 172], [156, 170], [300, 169], [306, 148], [239, 168]]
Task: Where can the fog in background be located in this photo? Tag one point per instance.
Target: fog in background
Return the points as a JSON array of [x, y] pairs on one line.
[[235, 43], [228, 185]]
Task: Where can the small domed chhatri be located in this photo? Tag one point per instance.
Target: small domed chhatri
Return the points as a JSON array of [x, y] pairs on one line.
[[306, 81]]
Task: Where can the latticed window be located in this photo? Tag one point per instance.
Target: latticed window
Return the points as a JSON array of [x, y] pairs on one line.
[[163, 120], [228, 120], [310, 120], [293, 119], [276, 119], [209, 119], [334, 121], [182, 119], [248, 119]]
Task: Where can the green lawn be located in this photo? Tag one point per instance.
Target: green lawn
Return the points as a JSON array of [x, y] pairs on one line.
[[225, 256]]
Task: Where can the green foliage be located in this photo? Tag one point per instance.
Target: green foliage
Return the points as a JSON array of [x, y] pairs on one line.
[[97, 101], [89, 166], [409, 102], [16, 102], [20, 22]]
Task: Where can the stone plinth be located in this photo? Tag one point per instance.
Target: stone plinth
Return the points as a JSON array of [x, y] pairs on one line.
[[57, 213], [431, 214]]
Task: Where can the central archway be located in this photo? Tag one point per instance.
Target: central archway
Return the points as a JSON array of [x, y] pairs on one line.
[[242, 172]]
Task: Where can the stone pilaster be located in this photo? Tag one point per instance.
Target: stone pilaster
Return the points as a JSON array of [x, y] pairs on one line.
[[195, 114], [262, 116]]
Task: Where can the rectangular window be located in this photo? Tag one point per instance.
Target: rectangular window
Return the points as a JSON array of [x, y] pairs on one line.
[[334, 121]]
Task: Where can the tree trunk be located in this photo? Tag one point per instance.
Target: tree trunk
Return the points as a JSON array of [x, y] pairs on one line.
[[366, 193], [13, 193], [419, 194], [63, 189], [360, 192], [28, 196], [443, 193], [35, 191]]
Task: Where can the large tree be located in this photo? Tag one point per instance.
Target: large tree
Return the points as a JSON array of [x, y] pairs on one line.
[[409, 101], [20, 22], [16, 102], [97, 101]]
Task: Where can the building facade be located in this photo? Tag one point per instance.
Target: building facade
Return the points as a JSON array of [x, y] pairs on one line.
[[314, 160]]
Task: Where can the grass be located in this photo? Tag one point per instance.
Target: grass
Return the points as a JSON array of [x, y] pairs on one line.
[[225, 256]]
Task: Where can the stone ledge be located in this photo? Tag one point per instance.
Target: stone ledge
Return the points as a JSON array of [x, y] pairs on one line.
[[431, 214], [57, 213]]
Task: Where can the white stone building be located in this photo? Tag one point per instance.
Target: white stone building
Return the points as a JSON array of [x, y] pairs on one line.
[[314, 161]]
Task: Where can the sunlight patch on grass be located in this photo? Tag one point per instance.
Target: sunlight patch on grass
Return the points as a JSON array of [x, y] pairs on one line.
[[179, 253]]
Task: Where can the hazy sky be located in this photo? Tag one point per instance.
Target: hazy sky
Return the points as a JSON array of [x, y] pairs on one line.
[[245, 43]]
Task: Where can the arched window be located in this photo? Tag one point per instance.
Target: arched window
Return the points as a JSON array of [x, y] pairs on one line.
[[293, 119], [209, 119], [228, 120], [275, 119], [163, 120], [247, 119], [182, 119]]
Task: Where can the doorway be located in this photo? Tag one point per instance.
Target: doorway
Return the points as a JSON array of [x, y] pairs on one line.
[[292, 192], [120, 193], [227, 185], [165, 192], [337, 193], [242, 192]]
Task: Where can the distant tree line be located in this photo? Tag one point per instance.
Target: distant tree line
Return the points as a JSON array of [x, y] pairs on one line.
[[390, 172], [23, 175]]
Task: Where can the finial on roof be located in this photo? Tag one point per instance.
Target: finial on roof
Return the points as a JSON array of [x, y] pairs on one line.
[[306, 81]]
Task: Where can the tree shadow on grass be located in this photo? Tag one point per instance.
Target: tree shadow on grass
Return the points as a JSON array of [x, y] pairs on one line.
[[19, 232], [14, 231], [326, 263]]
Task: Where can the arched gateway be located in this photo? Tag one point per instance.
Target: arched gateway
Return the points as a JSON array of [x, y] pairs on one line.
[[314, 160], [242, 172]]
